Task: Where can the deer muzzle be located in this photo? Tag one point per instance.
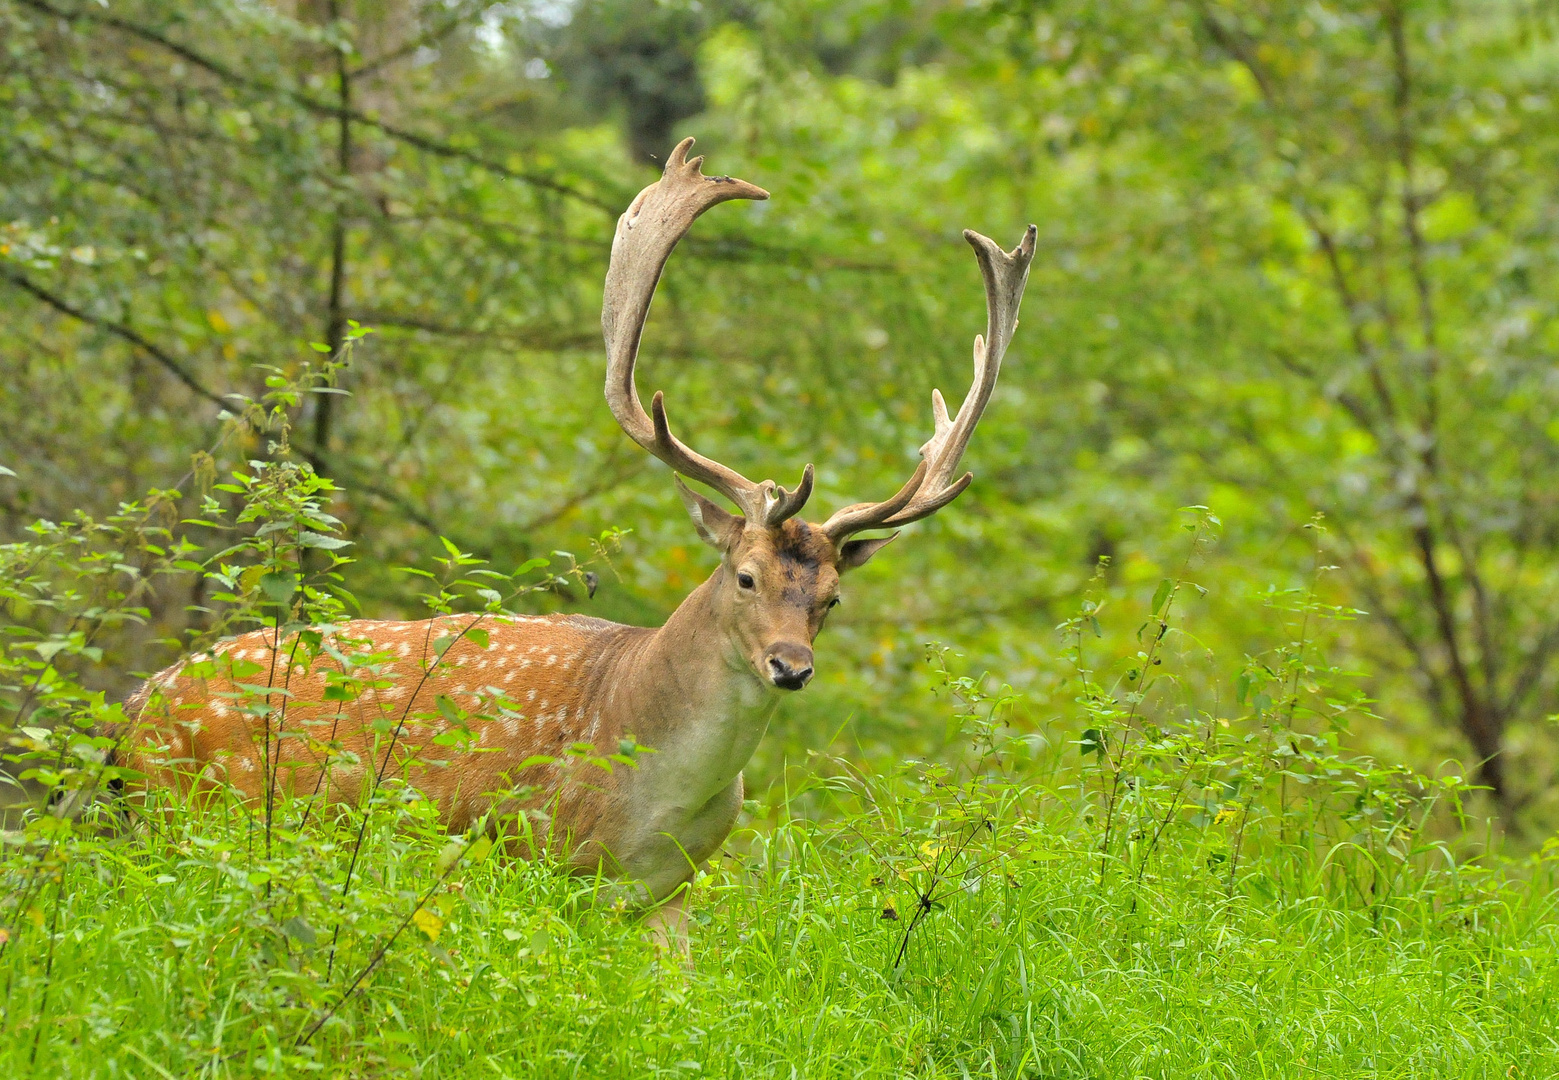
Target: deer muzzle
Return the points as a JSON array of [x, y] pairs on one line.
[[788, 665]]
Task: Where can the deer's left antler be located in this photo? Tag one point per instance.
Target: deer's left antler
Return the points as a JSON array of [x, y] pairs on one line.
[[933, 487]]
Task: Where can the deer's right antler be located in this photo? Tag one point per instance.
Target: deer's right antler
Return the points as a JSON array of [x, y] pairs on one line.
[[659, 217]]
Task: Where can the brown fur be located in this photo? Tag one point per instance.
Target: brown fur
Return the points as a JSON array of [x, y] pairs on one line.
[[193, 735], [694, 692]]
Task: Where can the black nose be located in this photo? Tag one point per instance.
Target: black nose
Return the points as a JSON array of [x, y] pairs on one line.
[[790, 666]]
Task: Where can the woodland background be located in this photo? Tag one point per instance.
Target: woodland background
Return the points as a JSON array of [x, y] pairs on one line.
[[1295, 259]]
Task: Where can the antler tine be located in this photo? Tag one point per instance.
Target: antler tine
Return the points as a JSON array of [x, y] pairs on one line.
[[658, 217], [933, 486], [860, 516]]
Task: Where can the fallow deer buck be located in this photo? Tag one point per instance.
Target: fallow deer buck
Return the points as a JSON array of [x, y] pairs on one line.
[[698, 691]]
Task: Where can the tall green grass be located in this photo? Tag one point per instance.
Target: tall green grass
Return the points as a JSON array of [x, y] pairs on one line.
[[156, 960], [1186, 873]]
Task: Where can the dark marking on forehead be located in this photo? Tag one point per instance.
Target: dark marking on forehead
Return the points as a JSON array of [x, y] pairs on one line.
[[803, 551], [797, 541]]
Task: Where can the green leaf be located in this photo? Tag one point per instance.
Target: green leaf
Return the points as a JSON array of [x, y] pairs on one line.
[[319, 540], [299, 930], [1091, 742], [478, 636], [49, 649], [1165, 588], [317, 346], [449, 856], [278, 587]]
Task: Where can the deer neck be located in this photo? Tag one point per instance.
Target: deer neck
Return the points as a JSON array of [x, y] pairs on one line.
[[691, 696]]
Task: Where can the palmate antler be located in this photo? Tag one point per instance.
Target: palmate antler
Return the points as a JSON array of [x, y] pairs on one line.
[[933, 487], [661, 215]]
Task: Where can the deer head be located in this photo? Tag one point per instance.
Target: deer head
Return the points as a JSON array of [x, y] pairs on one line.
[[779, 575]]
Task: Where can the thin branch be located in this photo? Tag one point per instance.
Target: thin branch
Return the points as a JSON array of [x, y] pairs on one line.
[[399, 501], [324, 108], [555, 341], [422, 40], [183, 374], [1531, 671], [335, 316]]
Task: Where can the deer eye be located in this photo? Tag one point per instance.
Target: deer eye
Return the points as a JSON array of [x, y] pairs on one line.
[[744, 579], [833, 603]]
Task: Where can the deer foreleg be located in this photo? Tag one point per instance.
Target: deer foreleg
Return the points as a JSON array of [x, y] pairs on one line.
[[667, 925]]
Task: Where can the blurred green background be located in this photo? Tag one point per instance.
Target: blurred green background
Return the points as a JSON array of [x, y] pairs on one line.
[[1295, 259]]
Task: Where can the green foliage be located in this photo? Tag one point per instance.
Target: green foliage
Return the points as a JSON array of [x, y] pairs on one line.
[[1295, 259], [1292, 261], [1155, 878]]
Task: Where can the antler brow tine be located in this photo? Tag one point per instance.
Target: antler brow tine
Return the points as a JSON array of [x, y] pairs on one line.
[[658, 217], [933, 486]]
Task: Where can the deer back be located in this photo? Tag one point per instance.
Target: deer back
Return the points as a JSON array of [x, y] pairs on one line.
[[460, 706]]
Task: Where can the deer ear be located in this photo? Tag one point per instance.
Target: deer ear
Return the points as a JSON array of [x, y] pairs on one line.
[[717, 527], [855, 552]]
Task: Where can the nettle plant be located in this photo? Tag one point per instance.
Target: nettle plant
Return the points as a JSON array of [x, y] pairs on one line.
[[1257, 784], [311, 900], [1222, 790]]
